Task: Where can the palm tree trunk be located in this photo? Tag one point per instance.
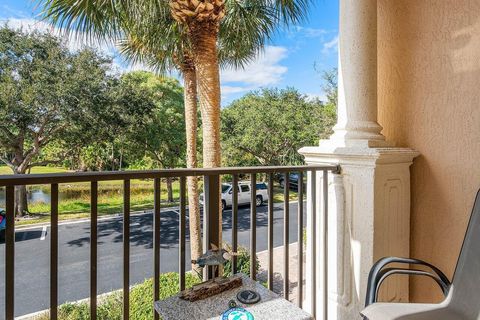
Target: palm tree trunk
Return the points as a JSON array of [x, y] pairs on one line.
[[190, 96], [208, 75], [169, 190], [204, 40], [202, 19]]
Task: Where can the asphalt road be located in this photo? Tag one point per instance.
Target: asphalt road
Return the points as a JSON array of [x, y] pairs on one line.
[[32, 254]]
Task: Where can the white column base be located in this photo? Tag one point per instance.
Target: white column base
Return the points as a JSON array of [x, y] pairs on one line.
[[368, 218]]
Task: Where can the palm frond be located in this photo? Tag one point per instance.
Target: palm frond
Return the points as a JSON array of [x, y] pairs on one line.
[[84, 18], [145, 31], [292, 11]]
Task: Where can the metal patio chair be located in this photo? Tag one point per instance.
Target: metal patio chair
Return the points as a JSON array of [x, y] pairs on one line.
[[462, 296]]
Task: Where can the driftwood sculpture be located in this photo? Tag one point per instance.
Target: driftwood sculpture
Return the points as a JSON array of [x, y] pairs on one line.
[[211, 288], [213, 257]]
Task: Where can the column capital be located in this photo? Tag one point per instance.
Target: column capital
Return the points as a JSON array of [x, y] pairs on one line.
[[355, 155]]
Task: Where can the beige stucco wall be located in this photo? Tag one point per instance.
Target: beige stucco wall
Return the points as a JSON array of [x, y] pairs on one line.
[[429, 100]]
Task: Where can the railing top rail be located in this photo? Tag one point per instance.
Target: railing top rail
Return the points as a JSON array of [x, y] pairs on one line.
[[32, 179]]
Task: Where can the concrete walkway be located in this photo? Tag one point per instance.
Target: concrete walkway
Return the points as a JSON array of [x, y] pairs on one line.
[[278, 260]]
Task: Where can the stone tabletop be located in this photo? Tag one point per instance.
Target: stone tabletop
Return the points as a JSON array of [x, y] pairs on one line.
[[271, 306]]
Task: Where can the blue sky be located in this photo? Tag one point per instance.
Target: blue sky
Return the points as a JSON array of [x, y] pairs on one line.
[[291, 59]]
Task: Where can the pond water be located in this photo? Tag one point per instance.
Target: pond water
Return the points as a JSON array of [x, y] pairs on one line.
[[35, 195]]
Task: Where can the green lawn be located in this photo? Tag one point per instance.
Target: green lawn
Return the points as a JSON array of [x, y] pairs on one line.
[[7, 170]]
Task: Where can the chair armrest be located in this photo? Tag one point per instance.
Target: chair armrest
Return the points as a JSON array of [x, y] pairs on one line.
[[378, 274]]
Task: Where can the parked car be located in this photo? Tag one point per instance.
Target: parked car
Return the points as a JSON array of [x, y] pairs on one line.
[[3, 223], [244, 194], [293, 180]]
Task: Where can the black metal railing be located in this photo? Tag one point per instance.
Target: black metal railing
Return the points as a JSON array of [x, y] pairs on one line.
[[211, 227]]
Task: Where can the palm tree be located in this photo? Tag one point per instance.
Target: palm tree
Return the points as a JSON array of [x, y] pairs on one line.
[[202, 20], [203, 27], [142, 44], [168, 54]]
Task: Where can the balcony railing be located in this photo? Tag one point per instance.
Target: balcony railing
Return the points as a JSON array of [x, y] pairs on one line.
[[211, 232]]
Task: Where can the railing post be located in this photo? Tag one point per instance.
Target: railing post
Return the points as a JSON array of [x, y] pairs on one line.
[[270, 230], [126, 249], [54, 252], [253, 226], [286, 238], [93, 248], [181, 234], [234, 222], [10, 253], [325, 244], [211, 216], [312, 253], [300, 239], [156, 244]]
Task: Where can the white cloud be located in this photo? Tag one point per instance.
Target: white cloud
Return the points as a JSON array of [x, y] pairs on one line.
[[310, 32], [226, 90], [28, 24], [73, 41], [263, 71], [331, 46], [313, 96]]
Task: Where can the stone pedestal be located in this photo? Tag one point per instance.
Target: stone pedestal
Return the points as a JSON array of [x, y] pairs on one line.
[[368, 218]]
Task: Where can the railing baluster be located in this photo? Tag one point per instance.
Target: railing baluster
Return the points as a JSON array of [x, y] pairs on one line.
[[234, 222], [182, 223], [300, 240], [270, 230], [156, 244], [93, 248], [126, 249], [10, 253], [211, 216], [325, 244], [313, 247], [253, 226], [54, 251], [211, 228], [286, 240]]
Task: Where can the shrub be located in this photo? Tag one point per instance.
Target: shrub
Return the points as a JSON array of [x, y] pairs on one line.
[[141, 303], [243, 262]]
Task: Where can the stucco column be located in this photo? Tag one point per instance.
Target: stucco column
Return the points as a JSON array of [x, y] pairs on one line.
[[357, 76], [369, 200]]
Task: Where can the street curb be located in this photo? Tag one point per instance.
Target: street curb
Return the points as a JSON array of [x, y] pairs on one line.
[[82, 220], [108, 217]]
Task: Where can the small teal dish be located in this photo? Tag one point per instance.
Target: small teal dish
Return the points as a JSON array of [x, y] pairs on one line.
[[237, 314]]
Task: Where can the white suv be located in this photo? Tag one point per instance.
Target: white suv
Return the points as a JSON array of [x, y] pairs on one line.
[[244, 194]]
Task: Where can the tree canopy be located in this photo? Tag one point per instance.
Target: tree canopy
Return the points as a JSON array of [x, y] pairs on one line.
[[267, 127], [161, 135], [49, 95]]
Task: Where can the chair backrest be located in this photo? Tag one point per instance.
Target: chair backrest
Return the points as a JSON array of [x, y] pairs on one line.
[[466, 280]]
